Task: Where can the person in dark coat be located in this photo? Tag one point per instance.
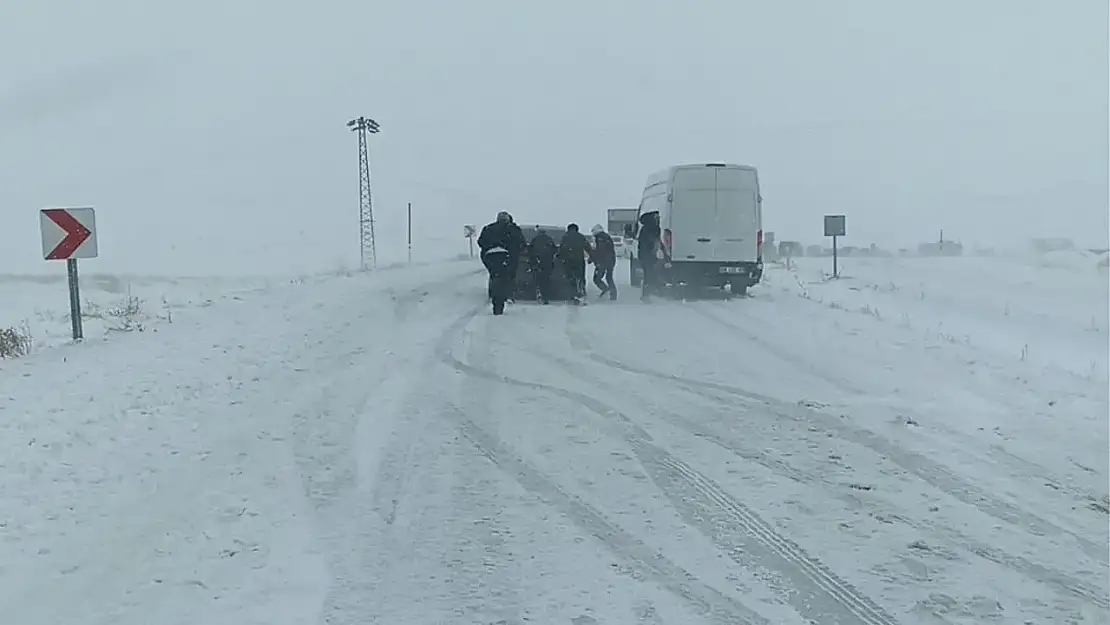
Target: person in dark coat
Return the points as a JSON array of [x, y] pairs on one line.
[[518, 244], [573, 251], [496, 244], [541, 253], [648, 241], [605, 260]]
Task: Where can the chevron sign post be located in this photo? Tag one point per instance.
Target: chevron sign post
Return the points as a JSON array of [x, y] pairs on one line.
[[470, 232], [69, 234]]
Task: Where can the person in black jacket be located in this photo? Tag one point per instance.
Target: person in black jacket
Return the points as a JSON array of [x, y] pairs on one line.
[[517, 245], [573, 251], [648, 241], [497, 246], [605, 260], [541, 254]]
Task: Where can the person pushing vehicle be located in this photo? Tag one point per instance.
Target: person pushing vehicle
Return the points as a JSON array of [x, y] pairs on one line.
[[500, 250], [605, 260], [649, 240], [573, 251], [541, 254], [517, 245]]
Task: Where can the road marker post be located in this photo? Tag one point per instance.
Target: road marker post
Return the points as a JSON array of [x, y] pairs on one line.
[[470, 232], [69, 234]]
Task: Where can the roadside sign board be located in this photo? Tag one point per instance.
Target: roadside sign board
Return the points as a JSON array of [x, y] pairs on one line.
[[834, 225], [68, 233]]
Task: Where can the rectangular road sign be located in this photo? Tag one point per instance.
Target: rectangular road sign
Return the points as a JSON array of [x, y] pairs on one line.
[[834, 225], [68, 233]]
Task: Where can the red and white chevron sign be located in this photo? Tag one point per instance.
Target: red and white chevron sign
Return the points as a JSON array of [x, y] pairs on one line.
[[68, 233]]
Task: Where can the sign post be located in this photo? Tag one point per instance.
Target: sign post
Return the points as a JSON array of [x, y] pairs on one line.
[[834, 227], [410, 233], [470, 232], [69, 234]]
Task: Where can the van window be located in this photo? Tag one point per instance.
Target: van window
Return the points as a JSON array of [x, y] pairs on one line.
[[737, 179], [696, 178], [655, 200]]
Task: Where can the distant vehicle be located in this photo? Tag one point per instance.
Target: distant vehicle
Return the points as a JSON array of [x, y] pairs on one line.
[[712, 220], [791, 248], [620, 218]]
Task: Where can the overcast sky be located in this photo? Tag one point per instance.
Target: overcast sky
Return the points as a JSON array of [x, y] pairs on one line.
[[210, 134]]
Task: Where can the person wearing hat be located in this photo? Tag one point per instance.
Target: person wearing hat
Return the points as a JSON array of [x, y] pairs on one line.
[[605, 260]]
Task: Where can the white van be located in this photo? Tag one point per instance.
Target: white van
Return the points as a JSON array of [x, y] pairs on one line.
[[711, 215]]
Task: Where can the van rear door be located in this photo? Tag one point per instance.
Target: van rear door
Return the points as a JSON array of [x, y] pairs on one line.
[[693, 213], [737, 219]]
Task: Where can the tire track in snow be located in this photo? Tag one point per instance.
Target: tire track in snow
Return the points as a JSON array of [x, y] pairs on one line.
[[644, 561], [821, 595], [478, 500], [1016, 463], [691, 426], [933, 472], [323, 449], [406, 301], [706, 517], [952, 539], [326, 411], [916, 464]]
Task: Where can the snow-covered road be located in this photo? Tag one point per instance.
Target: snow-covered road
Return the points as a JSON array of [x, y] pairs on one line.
[[379, 449]]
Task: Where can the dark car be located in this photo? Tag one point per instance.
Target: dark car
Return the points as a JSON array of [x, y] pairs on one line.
[[526, 288]]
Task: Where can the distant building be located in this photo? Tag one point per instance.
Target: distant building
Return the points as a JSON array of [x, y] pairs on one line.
[[940, 248]]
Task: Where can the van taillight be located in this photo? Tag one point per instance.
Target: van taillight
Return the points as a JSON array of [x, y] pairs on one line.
[[759, 245], [667, 240]]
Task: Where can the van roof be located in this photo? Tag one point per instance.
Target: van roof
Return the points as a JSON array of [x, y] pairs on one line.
[[664, 175]]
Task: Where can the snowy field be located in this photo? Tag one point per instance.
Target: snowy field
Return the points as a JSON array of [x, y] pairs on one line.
[[38, 305], [920, 441]]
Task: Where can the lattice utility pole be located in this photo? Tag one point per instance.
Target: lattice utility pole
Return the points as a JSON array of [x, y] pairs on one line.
[[368, 249]]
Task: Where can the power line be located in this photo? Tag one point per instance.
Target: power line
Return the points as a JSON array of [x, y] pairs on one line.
[[367, 247]]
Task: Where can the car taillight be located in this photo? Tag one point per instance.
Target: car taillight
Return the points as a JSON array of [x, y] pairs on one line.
[[759, 245]]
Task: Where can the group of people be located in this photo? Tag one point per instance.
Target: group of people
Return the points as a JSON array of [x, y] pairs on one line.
[[502, 243]]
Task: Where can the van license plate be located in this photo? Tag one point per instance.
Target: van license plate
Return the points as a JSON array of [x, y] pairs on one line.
[[732, 270]]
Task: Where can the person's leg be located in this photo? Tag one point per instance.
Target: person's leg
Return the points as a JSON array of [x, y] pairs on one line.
[[570, 273], [598, 274], [487, 263], [499, 276], [510, 289], [543, 281], [611, 283]]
